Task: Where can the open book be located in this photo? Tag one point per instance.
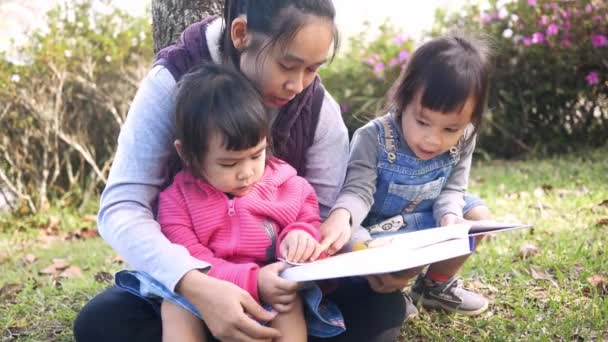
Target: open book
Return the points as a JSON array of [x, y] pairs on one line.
[[398, 252]]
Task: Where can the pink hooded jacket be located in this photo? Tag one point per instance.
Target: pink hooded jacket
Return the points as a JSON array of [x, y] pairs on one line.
[[238, 235]]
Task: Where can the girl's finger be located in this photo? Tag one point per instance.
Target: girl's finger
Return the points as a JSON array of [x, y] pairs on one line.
[[286, 298], [282, 308], [309, 250], [302, 241]]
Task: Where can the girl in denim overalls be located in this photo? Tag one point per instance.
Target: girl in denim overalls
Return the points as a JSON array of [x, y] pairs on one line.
[[409, 169]]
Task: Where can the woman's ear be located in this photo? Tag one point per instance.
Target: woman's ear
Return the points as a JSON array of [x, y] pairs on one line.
[[238, 33], [178, 147]]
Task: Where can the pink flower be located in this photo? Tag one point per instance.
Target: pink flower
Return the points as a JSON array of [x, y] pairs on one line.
[[544, 20], [375, 58], [532, 2], [538, 38], [403, 56], [589, 8], [566, 43], [393, 62], [598, 40], [399, 40], [527, 41], [486, 19], [378, 70], [552, 30], [592, 78]]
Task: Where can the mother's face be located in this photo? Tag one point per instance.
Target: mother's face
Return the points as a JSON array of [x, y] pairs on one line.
[[282, 72]]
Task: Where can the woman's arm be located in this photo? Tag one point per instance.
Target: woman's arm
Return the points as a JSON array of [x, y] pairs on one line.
[[327, 157], [126, 214]]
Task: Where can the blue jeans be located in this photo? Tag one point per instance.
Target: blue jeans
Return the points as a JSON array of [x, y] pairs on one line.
[[323, 318]]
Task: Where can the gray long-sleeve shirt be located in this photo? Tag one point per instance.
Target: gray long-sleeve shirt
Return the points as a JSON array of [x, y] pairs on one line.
[[145, 145], [357, 195]]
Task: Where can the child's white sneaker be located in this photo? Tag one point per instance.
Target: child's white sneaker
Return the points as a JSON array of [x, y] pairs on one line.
[[449, 295]]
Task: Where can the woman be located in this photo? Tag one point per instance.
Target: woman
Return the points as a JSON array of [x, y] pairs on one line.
[[279, 46]]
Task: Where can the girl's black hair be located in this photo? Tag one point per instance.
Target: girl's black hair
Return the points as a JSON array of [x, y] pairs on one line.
[[214, 99], [278, 20], [447, 71]]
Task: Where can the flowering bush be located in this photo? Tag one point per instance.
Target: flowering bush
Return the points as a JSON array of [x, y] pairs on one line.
[[550, 85], [361, 75], [64, 100]]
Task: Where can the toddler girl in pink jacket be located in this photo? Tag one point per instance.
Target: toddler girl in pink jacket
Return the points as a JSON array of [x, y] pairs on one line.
[[233, 205]]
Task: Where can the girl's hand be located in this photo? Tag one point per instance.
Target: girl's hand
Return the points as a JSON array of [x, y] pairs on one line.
[[274, 290], [298, 246], [449, 219], [232, 316], [335, 231]]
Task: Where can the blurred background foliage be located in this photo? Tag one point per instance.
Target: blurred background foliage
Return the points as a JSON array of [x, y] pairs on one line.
[[64, 100]]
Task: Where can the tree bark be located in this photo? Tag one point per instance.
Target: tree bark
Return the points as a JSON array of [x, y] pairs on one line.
[[171, 17]]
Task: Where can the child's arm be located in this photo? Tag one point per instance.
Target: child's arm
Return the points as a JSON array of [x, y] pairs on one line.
[[357, 195], [176, 224], [451, 198], [305, 228]]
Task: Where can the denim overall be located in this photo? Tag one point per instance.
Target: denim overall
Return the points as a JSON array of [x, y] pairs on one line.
[[406, 186]]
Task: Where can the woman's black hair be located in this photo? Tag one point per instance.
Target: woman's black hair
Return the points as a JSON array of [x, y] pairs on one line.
[[214, 99], [278, 20], [446, 71]]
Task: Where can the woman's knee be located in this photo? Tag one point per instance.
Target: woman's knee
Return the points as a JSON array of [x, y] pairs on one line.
[[103, 318]]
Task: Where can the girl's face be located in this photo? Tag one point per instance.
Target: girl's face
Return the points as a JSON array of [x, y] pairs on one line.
[[233, 172], [429, 133], [283, 72]]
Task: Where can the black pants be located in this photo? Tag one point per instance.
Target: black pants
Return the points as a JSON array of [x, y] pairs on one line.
[[116, 315]]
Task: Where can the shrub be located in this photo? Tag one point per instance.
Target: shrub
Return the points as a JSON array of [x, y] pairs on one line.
[[65, 99], [361, 75], [550, 86]]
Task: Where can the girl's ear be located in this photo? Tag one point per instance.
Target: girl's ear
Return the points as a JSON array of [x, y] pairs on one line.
[[178, 147], [238, 33]]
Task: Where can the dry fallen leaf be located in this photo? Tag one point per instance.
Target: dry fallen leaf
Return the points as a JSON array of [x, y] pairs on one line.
[[71, 272], [602, 222], [56, 267], [547, 187], [528, 250], [118, 260], [89, 218], [103, 277], [29, 258], [600, 282], [52, 225], [83, 233], [538, 273], [8, 292]]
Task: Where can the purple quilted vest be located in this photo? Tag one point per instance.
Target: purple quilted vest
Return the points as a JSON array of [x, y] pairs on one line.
[[294, 129]]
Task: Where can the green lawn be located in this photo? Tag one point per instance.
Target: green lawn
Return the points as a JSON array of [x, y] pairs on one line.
[[548, 296]]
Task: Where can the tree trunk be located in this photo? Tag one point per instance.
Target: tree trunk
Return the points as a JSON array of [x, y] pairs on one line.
[[171, 17]]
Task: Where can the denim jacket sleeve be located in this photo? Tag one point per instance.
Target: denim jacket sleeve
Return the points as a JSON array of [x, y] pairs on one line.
[[127, 209]]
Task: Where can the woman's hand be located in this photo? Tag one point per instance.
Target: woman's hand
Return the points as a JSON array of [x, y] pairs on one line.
[[274, 290], [231, 314], [335, 231], [298, 246]]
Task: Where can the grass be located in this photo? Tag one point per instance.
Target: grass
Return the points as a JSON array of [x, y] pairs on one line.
[[543, 297]]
